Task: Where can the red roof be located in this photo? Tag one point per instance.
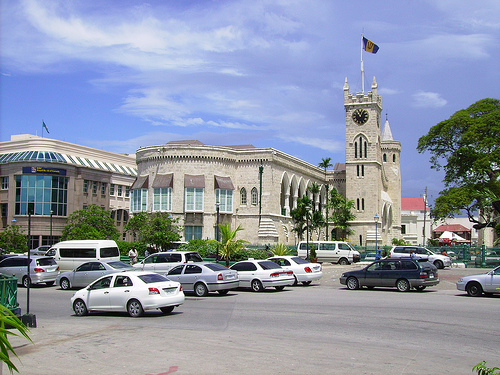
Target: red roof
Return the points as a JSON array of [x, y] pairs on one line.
[[451, 228], [413, 204]]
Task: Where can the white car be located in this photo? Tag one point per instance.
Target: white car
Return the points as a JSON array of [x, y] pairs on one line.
[[165, 261], [303, 271], [475, 285], [439, 260], [261, 274], [130, 291]]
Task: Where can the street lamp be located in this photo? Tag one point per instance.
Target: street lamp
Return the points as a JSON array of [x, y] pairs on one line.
[[217, 207], [307, 230], [377, 251], [28, 319], [51, 213]]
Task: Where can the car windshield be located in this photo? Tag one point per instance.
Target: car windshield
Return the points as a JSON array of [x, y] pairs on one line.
[[153, 278], [268, 265], [215, 266], [46, 262], [299, 260], [194, 257], [118, 265]]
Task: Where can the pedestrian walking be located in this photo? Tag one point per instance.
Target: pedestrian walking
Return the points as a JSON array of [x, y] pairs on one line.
[[132, 254]]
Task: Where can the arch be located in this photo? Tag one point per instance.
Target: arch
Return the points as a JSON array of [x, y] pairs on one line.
[[254, 196], [243, 196]]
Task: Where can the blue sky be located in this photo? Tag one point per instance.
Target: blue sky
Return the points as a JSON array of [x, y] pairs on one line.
[[119, 74]]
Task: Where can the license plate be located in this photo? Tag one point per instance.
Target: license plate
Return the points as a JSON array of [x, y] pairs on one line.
[[431, 276], [229, 277], [169, 290]]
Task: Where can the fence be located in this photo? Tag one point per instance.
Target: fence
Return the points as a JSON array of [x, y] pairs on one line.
[[8, 293]]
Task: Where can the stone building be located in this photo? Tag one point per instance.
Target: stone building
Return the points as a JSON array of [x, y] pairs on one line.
[[53, 179], [258, 187]]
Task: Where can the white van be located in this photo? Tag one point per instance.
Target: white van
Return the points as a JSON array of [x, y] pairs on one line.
[[330, 251], [70, 254]]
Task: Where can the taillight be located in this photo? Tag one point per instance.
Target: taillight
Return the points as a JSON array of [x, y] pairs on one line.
[[153, 291], [275, 274], [289, 273], [180, 288], [38, 270], [307, 269], [57, 269], [423, 275], [220, 277]]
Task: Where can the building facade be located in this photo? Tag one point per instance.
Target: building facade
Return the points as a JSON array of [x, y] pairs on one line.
[[257, 188], [52, 179]]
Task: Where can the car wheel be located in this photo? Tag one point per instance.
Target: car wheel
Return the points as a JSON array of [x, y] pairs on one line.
[[279, 288], [167, 309], [420, 288], [49, 283], [200, 290], [65, 285], [439, 264], [79, 308], [352, 283], [257, 286], [474, 289], [223, 292], [26, 281], [134, 308], [343, 262], [295, 282], [306, 283], [403, 285]]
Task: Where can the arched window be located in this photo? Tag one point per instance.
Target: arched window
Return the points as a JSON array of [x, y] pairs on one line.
[[366, 148], [355, 150], [357, 204], [385, 158], [243, 196], [394, 158], [255, 197]]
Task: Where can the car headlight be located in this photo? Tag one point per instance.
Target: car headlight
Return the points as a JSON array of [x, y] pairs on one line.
[[460, 280]]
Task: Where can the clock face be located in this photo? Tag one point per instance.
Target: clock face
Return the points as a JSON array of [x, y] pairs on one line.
[[360, 116]]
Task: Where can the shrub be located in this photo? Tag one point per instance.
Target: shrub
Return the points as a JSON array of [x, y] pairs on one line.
[[280, 249]]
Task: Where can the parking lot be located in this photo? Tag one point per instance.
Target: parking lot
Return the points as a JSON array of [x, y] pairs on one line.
[[323, 328]]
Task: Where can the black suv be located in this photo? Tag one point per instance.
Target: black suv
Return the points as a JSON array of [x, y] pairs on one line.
[[403, 274]]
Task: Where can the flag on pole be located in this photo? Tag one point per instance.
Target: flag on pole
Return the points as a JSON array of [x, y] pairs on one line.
[[45, 126], [369, 46]]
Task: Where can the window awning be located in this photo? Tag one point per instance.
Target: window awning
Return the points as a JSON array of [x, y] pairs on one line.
[[191, 181], [224, 183], [163, 180], [141, 182]]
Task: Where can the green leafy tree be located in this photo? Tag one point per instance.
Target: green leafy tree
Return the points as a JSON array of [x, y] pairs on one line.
[[155, 229], [280, 249], [467, 148], [13, 239], [229, 244], [325, 164], [92, 223], [8, 319], [299, 216], [341, 213]]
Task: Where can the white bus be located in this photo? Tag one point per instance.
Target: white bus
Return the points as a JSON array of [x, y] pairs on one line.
[[70, 254]]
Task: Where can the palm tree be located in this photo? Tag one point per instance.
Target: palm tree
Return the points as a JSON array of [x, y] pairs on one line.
[[325, 163], [341, 215], [228, 243], [314, 189], [299, 215]]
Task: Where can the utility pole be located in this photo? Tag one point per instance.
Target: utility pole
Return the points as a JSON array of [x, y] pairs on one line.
[[425, 215]]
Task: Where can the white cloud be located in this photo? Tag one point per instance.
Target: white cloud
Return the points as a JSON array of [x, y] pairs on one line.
[[424, 99]]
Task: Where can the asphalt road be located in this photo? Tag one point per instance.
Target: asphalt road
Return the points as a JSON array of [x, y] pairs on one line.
[[320, 329]]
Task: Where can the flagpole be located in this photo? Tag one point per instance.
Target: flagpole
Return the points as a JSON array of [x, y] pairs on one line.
[[362, 67], [42, 128]]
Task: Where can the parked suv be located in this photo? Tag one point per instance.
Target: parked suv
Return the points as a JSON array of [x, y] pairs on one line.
[[440, 261], [42, 269], [163, 262]]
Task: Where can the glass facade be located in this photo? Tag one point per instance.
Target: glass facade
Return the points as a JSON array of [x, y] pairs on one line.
[[43, 194]]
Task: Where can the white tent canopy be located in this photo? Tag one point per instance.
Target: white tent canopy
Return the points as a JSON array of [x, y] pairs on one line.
[[452, 236]]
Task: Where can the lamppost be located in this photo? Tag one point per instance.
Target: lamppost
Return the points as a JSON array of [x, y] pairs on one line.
[[307, 230], [217, 207], [51, 213], [28, 319], [377, 251], [14, 242]]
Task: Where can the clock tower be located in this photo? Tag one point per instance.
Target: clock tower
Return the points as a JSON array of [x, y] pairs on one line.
[[373, 178]]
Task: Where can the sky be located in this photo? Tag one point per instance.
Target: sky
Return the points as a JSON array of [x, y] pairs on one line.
[[118, 75]]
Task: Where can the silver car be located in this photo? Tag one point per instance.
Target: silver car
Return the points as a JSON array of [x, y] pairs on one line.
[[202, 278], [42, 269], [475, 285], [87, 272]]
